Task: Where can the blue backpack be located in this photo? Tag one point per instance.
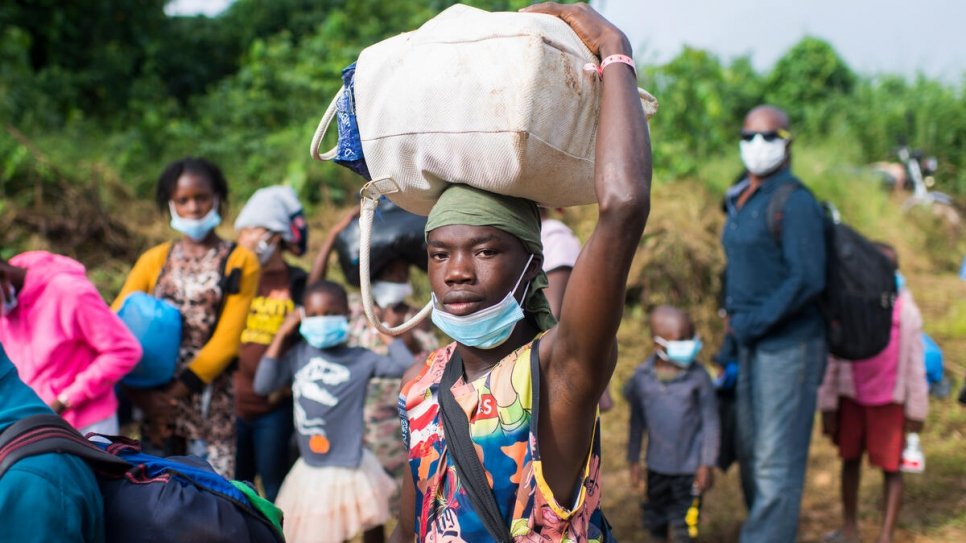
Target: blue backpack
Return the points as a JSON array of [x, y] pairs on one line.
[[157, 326], [148, 498]]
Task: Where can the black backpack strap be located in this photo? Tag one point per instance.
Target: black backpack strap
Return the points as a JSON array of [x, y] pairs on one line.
[[776, 207], [461, 450], [230, 283], [42, 434], [297, 279]]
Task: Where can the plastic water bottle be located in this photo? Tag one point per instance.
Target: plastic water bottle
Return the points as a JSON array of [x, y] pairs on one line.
[[913, 460]]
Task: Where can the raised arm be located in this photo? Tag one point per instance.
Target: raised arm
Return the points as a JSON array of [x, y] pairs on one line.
[[581, 351], [320, 268], [578, 355], [275, 368]]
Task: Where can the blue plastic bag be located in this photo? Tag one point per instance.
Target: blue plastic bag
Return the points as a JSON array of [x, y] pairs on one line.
[[934, 360], [157, 326], [349, 147]]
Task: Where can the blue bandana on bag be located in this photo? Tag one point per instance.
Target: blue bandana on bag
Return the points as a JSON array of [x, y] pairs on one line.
[[349, 148]]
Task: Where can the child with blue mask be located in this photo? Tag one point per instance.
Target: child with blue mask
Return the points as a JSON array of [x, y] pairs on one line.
[[672, 398], [337, 487]]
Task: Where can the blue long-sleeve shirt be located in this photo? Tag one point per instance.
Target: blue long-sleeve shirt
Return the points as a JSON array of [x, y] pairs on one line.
[[771, 285], [680, 417]]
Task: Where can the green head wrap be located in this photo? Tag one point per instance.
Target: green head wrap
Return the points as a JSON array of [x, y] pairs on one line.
[[463, 204]]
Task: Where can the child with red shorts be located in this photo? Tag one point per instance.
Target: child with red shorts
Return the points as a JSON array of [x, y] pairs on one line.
[[870, 405]]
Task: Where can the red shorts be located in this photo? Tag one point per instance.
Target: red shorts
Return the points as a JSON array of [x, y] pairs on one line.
[[877, 429]]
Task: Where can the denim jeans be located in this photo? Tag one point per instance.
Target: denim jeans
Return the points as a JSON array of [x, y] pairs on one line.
[[263, 448], [777, 391]]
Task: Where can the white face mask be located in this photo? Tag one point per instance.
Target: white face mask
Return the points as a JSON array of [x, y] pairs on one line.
[[264, 250], [388, 293], [763, 157]]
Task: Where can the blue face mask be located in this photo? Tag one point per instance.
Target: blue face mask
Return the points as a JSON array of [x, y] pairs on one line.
[[900, 282], [487, 328], [680, 353], [196, 229], [324, 331]]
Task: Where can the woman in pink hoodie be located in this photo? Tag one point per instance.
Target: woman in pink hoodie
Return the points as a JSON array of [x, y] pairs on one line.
[[66, 343]]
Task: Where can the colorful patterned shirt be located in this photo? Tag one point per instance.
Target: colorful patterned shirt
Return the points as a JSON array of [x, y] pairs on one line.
[[500, 408]]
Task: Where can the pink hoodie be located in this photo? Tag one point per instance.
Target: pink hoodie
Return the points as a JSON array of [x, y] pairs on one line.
[[63, 338], [910, 388]]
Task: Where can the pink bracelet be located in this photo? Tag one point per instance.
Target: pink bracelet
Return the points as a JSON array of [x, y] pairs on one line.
[[622, 59]]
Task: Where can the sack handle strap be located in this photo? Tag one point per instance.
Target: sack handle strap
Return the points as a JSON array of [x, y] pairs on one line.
[[371, 192], [324, 127]]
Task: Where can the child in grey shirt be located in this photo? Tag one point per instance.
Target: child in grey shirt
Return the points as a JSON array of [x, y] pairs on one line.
[[337, 487], [674, 401]]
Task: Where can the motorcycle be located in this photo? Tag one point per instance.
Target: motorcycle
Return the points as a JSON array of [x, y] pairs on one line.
[[915, 173]]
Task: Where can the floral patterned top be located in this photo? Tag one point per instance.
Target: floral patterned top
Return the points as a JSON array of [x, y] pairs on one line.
[[502, 409]]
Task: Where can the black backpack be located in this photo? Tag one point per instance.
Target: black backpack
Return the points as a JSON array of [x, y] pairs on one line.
[[149, 499], [396, 234], [860, 284]]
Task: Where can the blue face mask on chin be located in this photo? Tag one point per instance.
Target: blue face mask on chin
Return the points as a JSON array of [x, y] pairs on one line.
[[487, 328], [324, 331], [680, 353], [196, 229]]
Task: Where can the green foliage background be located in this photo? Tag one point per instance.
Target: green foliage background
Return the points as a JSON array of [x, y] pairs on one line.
[[96, 97]]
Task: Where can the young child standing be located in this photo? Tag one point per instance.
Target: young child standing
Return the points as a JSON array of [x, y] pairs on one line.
[[674, 401], [870, 404], [337, 488]]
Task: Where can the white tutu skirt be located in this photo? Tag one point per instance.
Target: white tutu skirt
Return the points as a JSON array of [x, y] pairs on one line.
[[332, 504]]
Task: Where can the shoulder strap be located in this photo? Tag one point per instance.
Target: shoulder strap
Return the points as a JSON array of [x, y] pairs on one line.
[[296, 286], [230, 279], [461, 449], [41, 434], [776, 207]]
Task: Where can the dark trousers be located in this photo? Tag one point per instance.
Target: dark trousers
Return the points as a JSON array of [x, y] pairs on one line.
[[263, 448], [666, 509]]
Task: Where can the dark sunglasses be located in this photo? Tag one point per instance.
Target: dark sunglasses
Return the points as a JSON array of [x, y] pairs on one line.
[[769, 136]]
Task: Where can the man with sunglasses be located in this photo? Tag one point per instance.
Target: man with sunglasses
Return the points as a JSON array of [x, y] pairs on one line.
[[774, 275]]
